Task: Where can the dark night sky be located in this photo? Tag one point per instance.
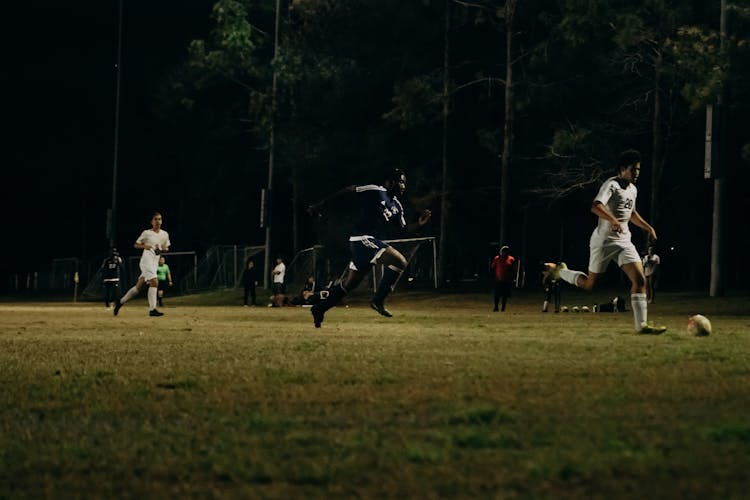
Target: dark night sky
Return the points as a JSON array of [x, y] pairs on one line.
[[58, 84], [59, 81]]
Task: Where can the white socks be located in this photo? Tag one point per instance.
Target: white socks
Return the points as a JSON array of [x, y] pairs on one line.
[[129, 295], [640, 309], [571, 276], [152, 297]]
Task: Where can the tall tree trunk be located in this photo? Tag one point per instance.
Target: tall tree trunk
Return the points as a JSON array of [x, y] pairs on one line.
[[444, 209], [510, 7]]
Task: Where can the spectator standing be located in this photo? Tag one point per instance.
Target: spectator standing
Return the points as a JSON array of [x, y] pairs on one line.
[[250, 282], [651, 263], [279, 289], [503, 267]]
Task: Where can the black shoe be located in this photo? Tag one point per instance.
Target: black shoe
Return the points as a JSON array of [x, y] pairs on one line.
[[154, 312], [380, 308], [317, 314], [118, 305]]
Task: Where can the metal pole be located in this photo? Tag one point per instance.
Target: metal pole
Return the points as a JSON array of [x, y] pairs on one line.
[[271, 146], [113, 222], [716, 287]]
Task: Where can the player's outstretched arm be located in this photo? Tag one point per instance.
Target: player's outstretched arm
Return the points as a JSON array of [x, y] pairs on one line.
[[317, 208]]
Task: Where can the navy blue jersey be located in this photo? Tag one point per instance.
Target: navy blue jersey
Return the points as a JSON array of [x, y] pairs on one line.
[[377, 210], [111, 269]]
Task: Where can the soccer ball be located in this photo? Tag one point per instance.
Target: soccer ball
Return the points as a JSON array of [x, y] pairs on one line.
[[575, 309], [564, 309], [585, 309], [699, 325]]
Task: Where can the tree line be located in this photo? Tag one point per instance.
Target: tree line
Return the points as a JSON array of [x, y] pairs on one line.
[[505, 114]]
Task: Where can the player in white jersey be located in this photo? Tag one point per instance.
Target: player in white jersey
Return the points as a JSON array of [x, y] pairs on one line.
[[610, 241], [153, 242]]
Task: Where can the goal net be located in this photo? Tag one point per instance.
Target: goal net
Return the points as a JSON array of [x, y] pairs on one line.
[[183, 266], [421, 264], [222, 267]]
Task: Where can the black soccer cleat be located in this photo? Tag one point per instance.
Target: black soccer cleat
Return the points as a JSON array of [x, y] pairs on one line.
[[380, 308], [317, 314], [154, 312], [118, 305]]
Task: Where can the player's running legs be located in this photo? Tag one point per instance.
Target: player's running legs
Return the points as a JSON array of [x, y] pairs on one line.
[[353, 278], [393, 265], [151, 294], [634, 271]]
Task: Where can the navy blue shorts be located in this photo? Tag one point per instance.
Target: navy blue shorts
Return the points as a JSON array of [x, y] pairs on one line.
[[365, 251]]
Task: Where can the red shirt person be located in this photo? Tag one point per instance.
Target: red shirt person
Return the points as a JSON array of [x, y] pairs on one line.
[[503, 267]]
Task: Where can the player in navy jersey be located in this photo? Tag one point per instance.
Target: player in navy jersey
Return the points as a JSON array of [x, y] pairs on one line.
[[378, 208]]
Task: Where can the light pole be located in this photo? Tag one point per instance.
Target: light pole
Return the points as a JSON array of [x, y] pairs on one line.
[[112, 216], [271, 148]]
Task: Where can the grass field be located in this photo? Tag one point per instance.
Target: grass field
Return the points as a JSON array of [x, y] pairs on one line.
[[446, 399]]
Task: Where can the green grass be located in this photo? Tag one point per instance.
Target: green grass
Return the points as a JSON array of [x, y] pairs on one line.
[[446, 399]]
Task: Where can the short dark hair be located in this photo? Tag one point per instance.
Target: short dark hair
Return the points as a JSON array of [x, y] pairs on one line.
[[394, 174], [627, 158]]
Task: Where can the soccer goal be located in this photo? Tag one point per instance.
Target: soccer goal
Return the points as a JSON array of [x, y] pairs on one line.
[[183, 266], [421, 267], [307, 262], [222, 267]]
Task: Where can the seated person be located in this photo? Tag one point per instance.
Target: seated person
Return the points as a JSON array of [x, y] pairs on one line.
[[617, 304], [308, 295]]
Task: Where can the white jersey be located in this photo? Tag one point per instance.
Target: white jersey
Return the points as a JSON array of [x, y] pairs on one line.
[[620, 203], [650, 263], [160, 240], [279, 278]]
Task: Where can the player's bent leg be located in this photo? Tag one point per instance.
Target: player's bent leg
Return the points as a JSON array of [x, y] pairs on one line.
[[575, 278], [353, 278], [580, 279], [129, 295], [393, 265]]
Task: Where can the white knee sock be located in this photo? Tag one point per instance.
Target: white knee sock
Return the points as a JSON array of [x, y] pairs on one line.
[[640, 309], [129, 295], [152, 298], [571, 276]]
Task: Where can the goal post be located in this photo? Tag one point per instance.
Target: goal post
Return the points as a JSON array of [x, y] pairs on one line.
[[222, 266], [183, 266], [421, 263]]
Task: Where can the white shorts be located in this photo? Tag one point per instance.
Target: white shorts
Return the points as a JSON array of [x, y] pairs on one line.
[[602, 252], [147, 272]]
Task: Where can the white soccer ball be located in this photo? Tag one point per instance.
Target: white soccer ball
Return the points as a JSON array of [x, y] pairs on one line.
[[575, 309], [585, 309], [699, 326], [564, 309]]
